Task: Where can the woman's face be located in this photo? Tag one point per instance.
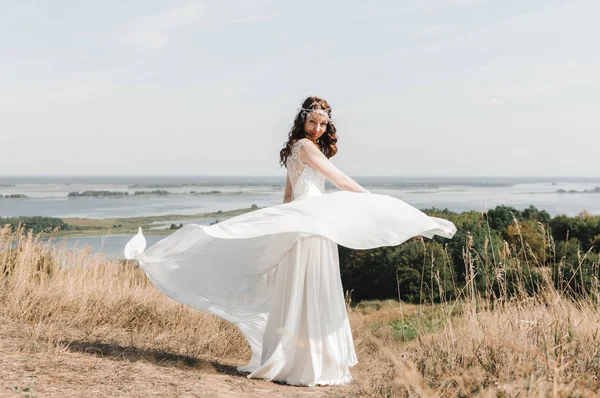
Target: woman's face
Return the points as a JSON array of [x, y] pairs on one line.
[[315, 125]]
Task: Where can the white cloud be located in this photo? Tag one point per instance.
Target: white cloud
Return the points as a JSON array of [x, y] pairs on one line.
[[152, 32]]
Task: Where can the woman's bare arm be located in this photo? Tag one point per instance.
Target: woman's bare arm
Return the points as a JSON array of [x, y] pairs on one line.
[[313, 156], [287, 196]]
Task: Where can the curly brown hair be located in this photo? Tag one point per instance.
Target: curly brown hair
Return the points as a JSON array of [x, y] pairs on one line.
[[327, 142]]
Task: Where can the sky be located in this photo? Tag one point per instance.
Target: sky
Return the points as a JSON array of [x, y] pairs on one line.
[[419, 88]]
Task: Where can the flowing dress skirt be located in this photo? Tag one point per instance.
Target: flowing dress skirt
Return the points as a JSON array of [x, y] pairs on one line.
[[307, 339], [274, 273]]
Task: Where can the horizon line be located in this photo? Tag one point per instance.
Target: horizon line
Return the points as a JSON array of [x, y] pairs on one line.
[[281, 175]]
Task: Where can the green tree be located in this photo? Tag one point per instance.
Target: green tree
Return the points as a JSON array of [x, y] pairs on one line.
[[423, 271], [37, 224], [501, 217], [533, 214], [367, 273]]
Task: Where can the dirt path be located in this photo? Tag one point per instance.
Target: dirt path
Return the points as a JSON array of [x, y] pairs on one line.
[[28, 369]]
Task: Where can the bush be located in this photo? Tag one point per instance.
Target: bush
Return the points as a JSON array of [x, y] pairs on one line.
[[368, 273], [37, 224], [414, 270]]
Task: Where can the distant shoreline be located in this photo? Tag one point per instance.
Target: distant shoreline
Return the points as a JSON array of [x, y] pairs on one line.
[[96, 194], [86, 227], [155, 181]]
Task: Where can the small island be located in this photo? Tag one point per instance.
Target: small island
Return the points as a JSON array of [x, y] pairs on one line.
[[154, 192], [96, 194], [595, 190], [159, 192], [213, 192]]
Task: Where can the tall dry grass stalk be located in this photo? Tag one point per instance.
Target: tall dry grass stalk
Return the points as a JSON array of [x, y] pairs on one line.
[[71, 296], [503, 341], [524, 337]]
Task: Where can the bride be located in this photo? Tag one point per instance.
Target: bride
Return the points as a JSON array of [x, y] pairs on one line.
[[274, 272]]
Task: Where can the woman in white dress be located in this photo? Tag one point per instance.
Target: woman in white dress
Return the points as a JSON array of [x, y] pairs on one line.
[[275, 272]]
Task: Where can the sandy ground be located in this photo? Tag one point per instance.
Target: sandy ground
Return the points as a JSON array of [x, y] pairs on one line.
[[28, 369]]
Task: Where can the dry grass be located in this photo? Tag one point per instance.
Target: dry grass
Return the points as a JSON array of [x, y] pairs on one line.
[[74, 324]]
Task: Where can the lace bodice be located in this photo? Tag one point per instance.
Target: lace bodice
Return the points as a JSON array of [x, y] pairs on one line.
[[305, 180]]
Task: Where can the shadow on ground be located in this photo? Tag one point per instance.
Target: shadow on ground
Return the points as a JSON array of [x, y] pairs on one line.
[[162, 358]]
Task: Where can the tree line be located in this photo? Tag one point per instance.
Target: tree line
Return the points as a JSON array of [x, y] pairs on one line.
[[95, 194], [493, 248], [37, 223]]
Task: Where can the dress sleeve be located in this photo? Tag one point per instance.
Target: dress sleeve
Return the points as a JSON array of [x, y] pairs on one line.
[[311, 155]]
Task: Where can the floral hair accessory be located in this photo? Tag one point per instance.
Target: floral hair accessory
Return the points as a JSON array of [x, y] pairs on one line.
[[307, 111]]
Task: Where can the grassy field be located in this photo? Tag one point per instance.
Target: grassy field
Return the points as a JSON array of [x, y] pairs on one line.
[[74, 324]]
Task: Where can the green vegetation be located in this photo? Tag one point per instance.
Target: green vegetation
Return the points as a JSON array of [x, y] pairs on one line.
[[595, 190], [77, 227], [128, 225], [96, 194], [563, 249], [166, 185], [13, 196], [212, 192], [37, 224], [159, 192]]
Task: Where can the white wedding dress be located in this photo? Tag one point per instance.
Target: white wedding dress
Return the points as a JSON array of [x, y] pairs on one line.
[[274, 272]]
